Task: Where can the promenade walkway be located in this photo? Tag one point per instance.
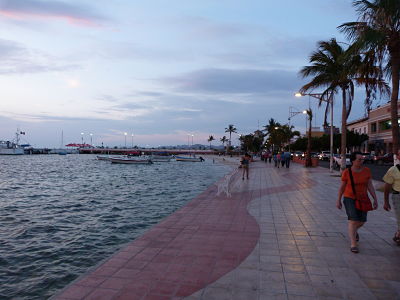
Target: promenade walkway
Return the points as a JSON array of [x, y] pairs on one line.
[[278, 236]]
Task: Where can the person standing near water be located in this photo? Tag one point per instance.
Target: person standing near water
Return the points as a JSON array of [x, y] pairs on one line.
[[245, 165]]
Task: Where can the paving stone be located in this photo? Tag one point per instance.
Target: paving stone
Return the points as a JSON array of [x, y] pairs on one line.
[[279, 236]]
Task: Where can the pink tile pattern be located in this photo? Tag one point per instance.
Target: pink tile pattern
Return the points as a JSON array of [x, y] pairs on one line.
[[195, 246]]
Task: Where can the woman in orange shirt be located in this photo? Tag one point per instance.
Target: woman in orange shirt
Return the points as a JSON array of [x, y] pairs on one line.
[[362, 185]]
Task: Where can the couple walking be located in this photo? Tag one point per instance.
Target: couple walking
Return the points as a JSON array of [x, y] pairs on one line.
[[356, 183]]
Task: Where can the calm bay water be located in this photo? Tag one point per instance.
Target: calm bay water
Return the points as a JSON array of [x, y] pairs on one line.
[[60, 215]]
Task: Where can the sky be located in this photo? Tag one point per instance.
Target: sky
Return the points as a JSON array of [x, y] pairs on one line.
[[163, 72]]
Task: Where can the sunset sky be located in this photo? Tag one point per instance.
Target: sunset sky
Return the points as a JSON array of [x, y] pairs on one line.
[[158, 69]]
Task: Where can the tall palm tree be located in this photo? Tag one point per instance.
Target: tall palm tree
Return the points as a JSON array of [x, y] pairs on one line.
[[378, 31], [231, 129], [335, 69], [210, 139], [270, 127], [308, 158], [223, 140]]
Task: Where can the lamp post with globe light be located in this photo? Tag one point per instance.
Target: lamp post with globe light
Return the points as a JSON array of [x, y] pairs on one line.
[[82, 138], [125, 134]]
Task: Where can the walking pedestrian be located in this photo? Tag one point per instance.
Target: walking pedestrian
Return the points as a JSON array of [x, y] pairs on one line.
[[287, 159], [245, 165], [278, 159], [269, 157], [392, 184], [282, 159], [356, 183]]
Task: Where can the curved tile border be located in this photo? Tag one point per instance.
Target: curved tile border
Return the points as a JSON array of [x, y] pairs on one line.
[[195, 246]]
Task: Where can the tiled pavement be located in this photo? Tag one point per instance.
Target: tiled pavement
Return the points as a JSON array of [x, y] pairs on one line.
[[279, 236]]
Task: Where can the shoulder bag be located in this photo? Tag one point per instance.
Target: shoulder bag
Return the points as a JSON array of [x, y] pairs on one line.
[[362, 202]]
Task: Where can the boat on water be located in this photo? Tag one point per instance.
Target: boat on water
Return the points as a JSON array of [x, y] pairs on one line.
[[11, 147], [103, 157], [133, 161], [189, 158], [160, 158]]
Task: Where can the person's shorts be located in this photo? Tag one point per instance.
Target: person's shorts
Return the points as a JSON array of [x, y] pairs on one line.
[[352, 212]]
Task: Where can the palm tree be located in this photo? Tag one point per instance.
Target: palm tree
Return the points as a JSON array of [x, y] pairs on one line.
[[378, 32], [210, 139], [231, 129], [308, 158], [223, 140], [270, 127], [335, 69]]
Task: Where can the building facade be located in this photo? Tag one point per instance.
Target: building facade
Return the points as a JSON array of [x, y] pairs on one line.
[[360, 126], [378, 128]]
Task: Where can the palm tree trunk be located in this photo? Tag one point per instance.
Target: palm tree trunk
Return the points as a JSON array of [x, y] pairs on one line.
[[344, 131], [395, 61], [308, 159]]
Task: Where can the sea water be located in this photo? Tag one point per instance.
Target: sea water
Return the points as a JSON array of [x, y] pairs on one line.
[[61, 215]]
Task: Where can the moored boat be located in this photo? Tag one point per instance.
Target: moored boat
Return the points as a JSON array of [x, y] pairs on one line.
[[12, 148], [160, 158], [189, 158], [133, 161], [102, 157]]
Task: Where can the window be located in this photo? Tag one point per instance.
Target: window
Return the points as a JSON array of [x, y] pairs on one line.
[[373, 127], [385, 125], [365, 129]]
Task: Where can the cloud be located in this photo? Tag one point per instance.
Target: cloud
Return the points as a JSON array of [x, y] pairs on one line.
[[245, 81], [34, 9], [17, 59]]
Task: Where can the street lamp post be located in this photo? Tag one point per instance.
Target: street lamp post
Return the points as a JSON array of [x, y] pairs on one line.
[[132, 140], [125, 134], [329, 100], [192, 140], [293, 113], [91, 139], [82, 138]]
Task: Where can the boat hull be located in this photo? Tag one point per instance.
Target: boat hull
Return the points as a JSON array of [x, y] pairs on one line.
[[11, 151], [130, 161], [189, 159], [160, 158]]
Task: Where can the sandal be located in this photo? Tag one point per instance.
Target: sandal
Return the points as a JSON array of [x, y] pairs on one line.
[[354, 249], [357, 237], [396, 239]]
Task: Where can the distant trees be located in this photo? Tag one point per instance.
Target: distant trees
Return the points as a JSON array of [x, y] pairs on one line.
[[230, 129], [210, 139], [278, 135], [251, 142], [322, 143]]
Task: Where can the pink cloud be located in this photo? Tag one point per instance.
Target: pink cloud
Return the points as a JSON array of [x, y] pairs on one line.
[[38, 10]]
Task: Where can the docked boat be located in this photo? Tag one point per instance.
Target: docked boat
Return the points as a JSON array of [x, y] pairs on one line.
[[10, 147], [160, 158], [103, 157], [189, 158], [133, 161]]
